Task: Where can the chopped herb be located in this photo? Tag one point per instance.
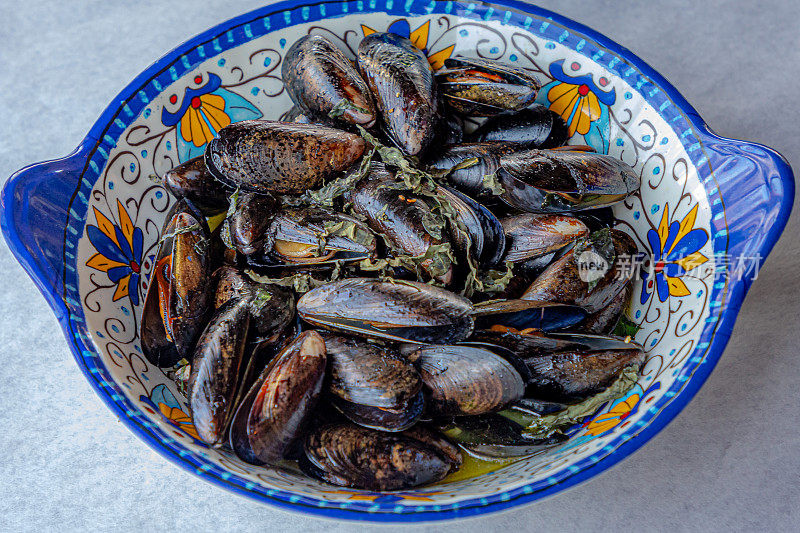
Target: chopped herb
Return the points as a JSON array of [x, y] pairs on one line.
[[626, 328], [545, 426]]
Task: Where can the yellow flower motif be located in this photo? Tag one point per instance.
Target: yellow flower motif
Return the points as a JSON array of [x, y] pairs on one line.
[[566, 97], [205, 112], [608, 421], [180, 418]]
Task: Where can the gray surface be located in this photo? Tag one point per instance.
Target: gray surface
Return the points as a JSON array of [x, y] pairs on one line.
[[729, 461]]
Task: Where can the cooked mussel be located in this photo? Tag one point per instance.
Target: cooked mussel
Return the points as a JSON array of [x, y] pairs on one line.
[[286, 397], [534, 127], [401, 80], [496, 436], [400, 215], [179, 293], [484, 87], [263, 156], [403, 311], [191, 180], [467, 165], [589, 275], [216, 369], [576, 374], [320, 79], [476, 224], [245, 227], [373, 385], [358, 457], [310, 235], [272, 307], [530, 236], [466, 380], [605, 320], [551, 181], [528, 314]]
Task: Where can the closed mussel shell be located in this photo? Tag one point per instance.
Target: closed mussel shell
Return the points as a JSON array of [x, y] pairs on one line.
[[530, 236], [392, 310], [191, 180], [216, 369], [319, 78], [363, 458], [605, 320], [179, 294], [469, 163], [287, 396], [373, 385], [399, 215], [590, 275], [550, 181], [535, 127], [263, 156], [401, 80], [466, 380], [246, 225], [485, 232], [575, 375]]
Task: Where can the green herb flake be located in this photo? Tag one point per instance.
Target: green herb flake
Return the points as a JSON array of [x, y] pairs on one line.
[[626, 328], [557, 422]]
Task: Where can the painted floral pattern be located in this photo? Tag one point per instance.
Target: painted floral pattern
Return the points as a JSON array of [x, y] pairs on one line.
[[419, 37], [119, 252], [675, 249]]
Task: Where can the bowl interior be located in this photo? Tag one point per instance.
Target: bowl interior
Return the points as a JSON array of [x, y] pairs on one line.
[[235, 75]]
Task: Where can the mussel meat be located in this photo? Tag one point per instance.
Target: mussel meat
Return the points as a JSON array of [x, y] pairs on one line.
[[483, 87]]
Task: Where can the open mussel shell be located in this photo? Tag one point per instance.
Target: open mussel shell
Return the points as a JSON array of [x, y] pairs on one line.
[[313, 236], [216, 369], [530, 236], [178, 297], [246, 225], [528, 344], [495, 436], [402, 311], [485, 232], [590, 275], [534, 127], [288, 394], [263, 156], [466, 380], [319, 78], [191, 180], [399, 214], [401, 80], [373, 385], [549, 181], [528, 314], [467, 164], [363, 458], [483, 87]]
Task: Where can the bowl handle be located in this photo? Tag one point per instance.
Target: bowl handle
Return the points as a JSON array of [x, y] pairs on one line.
[[35, 207], [756, 185]]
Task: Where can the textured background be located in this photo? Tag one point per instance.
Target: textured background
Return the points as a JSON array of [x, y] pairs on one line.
[[730, 461]]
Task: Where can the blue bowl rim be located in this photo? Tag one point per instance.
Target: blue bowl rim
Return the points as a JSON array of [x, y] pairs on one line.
[[737, 291]]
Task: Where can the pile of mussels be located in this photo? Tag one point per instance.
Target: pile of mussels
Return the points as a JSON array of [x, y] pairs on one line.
[[368, 289]]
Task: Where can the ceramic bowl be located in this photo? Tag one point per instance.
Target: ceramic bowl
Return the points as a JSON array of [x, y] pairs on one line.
[[85, 227]]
